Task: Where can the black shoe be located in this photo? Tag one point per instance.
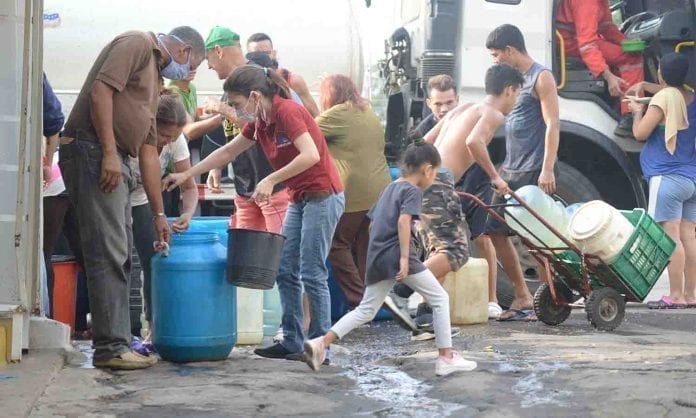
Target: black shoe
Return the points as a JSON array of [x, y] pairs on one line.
[[424, 316], [625, 127], [401, 315], [301, 357], [428, 334], [273, 351], [402, 290]]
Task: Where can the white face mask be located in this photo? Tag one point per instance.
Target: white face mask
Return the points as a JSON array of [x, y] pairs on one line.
[[243, 115], [174, 70]]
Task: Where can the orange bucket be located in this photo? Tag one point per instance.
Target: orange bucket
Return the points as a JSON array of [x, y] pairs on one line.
[[64, 290]]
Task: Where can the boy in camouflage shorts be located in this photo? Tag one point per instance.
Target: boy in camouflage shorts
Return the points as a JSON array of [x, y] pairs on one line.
[[441, 222]]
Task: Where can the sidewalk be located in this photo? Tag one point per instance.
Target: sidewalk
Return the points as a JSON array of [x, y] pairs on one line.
[[22, 384]]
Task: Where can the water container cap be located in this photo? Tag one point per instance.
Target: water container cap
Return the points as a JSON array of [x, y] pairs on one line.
[[590, 219]]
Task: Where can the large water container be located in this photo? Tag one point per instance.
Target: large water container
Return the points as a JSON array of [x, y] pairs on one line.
[[468, 293], [194, 306], [250, 302], [553, 212], [272, 313], [599, 229]]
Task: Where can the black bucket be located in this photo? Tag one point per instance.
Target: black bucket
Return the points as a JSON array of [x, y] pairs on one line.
[[253, 257]]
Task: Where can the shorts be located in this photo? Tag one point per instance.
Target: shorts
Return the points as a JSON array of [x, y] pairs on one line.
[[515, 180], [672, 198], [476, 182], [441, 222]]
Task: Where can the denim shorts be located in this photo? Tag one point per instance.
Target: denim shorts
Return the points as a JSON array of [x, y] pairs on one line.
[[672, 198]]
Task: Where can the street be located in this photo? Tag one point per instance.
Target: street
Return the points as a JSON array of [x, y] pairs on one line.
[[645, 368]]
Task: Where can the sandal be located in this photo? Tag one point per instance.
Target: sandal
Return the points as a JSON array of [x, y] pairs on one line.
[[666, 303], [518, 315]]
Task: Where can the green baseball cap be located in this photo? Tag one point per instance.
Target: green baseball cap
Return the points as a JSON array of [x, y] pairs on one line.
[[220, 36]]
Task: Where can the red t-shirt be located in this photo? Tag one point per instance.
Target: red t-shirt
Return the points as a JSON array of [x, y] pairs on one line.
[[289, 120]]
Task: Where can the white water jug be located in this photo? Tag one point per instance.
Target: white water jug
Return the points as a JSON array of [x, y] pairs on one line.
[[600, 229], [551, 211], [468, 293], [249, 316]]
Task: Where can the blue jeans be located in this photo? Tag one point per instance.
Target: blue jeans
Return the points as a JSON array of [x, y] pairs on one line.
[[309, 227]]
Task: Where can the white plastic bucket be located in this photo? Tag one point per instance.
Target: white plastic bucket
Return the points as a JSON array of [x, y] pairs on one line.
[[600, 229]]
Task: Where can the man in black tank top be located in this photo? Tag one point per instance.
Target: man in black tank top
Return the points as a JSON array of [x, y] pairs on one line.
[[531, 143]]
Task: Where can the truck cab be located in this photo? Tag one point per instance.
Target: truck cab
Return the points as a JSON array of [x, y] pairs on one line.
[[448, 37]]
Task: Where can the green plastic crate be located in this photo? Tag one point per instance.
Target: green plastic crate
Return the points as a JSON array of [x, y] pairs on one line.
[[646, 254], [641, 261]]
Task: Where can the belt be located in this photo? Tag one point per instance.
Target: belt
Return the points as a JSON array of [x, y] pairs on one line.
[[313, 195]]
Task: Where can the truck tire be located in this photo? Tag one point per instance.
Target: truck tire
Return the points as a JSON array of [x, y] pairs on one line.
[[571, 187]]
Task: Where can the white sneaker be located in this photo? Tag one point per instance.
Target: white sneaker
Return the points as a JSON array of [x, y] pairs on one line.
[[429, 334], [455, 363], [315, 352], [494, 310]]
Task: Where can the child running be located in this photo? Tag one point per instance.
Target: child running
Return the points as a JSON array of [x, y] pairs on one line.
[[391, 256]]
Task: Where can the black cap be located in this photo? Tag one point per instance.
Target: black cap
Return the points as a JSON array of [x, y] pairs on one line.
[[261, 59], [674, 68]]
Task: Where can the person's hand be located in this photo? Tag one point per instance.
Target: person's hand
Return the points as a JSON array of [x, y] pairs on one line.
[[110, 172], [47, 174], [615, 84], [263, 191], [163, 232], [636, 90], [500, 186], [174, 180], [213, 181], [182, 223], [547, 181], [191, 75], [634, 106], [403, 269]]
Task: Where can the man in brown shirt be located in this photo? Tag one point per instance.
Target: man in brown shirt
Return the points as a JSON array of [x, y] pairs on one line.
[[114, 117]]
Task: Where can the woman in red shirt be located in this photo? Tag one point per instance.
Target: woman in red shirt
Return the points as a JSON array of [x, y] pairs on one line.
[[298, 153]]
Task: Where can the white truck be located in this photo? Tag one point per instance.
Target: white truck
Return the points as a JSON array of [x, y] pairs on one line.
[[448, 36]]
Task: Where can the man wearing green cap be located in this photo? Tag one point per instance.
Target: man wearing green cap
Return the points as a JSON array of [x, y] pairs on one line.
[[224, 52]]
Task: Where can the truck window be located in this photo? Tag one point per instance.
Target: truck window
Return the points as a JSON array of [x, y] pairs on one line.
[[505, 1], [410, 10]]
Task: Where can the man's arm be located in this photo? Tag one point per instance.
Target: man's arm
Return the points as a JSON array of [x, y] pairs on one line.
[[300, 86], [545, 89], [478, 141], [195, 130], [150, 170], [102, 111]]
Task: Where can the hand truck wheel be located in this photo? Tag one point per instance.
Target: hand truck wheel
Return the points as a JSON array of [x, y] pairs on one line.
[[546, 309], [605, 308]]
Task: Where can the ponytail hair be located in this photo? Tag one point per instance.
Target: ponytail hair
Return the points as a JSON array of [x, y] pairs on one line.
[[170, 110], [250, 78]]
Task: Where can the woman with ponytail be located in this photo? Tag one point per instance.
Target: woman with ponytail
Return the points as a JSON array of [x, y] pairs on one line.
[[298, 153], [173, 155]]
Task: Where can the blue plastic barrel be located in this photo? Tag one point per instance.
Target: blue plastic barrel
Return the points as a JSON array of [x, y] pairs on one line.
[[216, 224], [194, 306]]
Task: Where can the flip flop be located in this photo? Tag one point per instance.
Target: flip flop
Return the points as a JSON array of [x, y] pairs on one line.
[[519, 315], [666, 303]]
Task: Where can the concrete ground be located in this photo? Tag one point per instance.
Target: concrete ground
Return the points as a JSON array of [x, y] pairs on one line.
[[646, 368]]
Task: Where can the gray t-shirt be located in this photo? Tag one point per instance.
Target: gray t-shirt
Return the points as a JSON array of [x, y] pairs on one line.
[[383, 253]]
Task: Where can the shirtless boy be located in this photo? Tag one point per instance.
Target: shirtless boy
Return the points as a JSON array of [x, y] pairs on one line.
[[462, 138]]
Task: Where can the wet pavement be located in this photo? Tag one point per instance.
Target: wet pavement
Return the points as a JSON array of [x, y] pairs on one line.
[[647, 367]]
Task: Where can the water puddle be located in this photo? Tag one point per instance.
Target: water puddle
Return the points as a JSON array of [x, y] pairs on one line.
[[403, 395], [531, 386]]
